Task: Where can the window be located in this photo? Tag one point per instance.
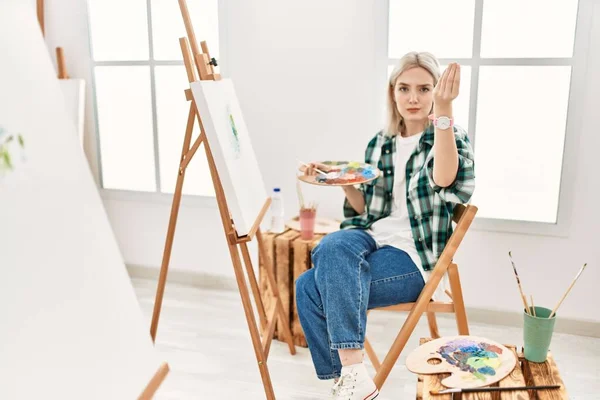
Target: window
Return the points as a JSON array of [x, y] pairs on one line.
[[139, 83], [517, 84]]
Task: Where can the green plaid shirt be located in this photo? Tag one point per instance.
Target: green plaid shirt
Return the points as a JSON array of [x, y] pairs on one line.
[[429, 206]]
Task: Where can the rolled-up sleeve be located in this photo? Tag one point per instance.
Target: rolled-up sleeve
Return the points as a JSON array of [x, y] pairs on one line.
[[349, 211], [461, 190]]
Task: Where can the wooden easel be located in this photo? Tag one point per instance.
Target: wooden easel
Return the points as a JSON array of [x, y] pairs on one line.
[[40, 15], [60, 55], [204, 66], [155, 382], [60, 63]]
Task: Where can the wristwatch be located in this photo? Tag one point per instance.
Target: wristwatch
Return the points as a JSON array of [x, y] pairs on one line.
[[442, 122]]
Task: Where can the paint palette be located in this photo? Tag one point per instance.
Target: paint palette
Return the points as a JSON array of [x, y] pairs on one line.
[[342, 173], [472, 361]]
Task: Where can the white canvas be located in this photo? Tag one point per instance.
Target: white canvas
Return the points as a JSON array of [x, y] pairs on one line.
[[74, 93], [232, 150], [70, 324]]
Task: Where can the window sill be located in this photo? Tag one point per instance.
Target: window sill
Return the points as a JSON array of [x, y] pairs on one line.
[[560, 229], [158, 198]]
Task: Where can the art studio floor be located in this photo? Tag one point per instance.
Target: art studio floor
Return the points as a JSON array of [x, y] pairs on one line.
[[204, 337]]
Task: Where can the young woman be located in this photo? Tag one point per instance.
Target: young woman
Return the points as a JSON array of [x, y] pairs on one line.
[[396, 226]]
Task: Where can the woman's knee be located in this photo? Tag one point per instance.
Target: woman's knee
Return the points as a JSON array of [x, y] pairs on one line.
[[305, 284], [340, 245], [334, 242]]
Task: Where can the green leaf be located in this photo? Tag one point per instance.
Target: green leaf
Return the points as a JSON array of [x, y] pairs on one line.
[[21, 141]]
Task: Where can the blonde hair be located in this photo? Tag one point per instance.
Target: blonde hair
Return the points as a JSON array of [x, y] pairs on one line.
[[395, 123]]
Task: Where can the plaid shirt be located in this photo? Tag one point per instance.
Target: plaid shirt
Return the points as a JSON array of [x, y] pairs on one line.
[[429, 206]]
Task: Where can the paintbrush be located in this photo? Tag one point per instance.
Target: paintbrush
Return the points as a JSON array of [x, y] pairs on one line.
[[568, 290], [519, 283], [493, 389], [300, 196], [316, 169]]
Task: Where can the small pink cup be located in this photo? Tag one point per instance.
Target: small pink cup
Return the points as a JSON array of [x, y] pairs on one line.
[[307, 223]]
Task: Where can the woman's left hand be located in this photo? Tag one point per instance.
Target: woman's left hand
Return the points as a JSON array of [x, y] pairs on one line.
[[447, 87]]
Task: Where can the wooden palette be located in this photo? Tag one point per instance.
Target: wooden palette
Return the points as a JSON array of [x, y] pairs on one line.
[[472, 361], [343, 173]]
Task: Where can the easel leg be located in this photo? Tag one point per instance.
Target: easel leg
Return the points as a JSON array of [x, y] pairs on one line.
[[239, 273], [160, 291], [256, 342], [155, 382], [172, 225], [284, 320], [254, 285]]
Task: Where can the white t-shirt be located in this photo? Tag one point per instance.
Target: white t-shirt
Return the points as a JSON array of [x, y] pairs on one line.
[[395, 230]]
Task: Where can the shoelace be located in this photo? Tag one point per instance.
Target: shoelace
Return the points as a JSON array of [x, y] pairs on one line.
[[345, 386]]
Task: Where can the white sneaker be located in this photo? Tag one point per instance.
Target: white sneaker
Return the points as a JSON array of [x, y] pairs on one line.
[[354, 384]]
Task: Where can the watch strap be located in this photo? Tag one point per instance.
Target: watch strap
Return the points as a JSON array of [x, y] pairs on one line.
[[434, 119]]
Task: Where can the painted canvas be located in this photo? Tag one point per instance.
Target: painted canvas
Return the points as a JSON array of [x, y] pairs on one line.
[[472, 361], [11, 150], [232, 150]]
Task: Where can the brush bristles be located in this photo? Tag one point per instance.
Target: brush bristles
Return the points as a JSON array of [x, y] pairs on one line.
[[445, 391]]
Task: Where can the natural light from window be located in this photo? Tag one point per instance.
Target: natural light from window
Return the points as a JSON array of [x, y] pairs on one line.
[[139, 83], [521, 62]]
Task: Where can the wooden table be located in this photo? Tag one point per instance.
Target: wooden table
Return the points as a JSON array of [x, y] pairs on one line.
[[525, 374]]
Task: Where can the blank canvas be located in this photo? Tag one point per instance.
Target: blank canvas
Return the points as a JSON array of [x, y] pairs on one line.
[[74, 93], [71, 325]]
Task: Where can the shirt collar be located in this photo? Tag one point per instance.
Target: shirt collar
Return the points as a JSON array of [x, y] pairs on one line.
[[427, 136]]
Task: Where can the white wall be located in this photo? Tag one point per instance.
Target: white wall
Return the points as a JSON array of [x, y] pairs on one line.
[[309, 78]]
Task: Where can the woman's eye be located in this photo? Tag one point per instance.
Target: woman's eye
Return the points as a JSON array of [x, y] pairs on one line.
[[402, 89], [425, 89]]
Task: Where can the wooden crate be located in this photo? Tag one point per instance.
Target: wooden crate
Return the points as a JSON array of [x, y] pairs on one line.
[[302, 262], [525, 374], [290, 257]]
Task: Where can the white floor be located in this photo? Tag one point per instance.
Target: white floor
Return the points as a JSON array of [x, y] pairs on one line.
[[204, 337]]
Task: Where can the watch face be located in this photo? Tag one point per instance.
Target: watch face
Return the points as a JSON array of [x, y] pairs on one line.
[[443, 122]]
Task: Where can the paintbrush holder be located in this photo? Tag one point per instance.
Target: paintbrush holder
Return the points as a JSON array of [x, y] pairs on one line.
[[307, 223], [537, 334]]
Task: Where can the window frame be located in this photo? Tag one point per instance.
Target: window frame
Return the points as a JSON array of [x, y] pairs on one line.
[[575, 108], [158, 195]]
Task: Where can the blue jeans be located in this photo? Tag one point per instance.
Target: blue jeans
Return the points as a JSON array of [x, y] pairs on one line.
[[350, 275]]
